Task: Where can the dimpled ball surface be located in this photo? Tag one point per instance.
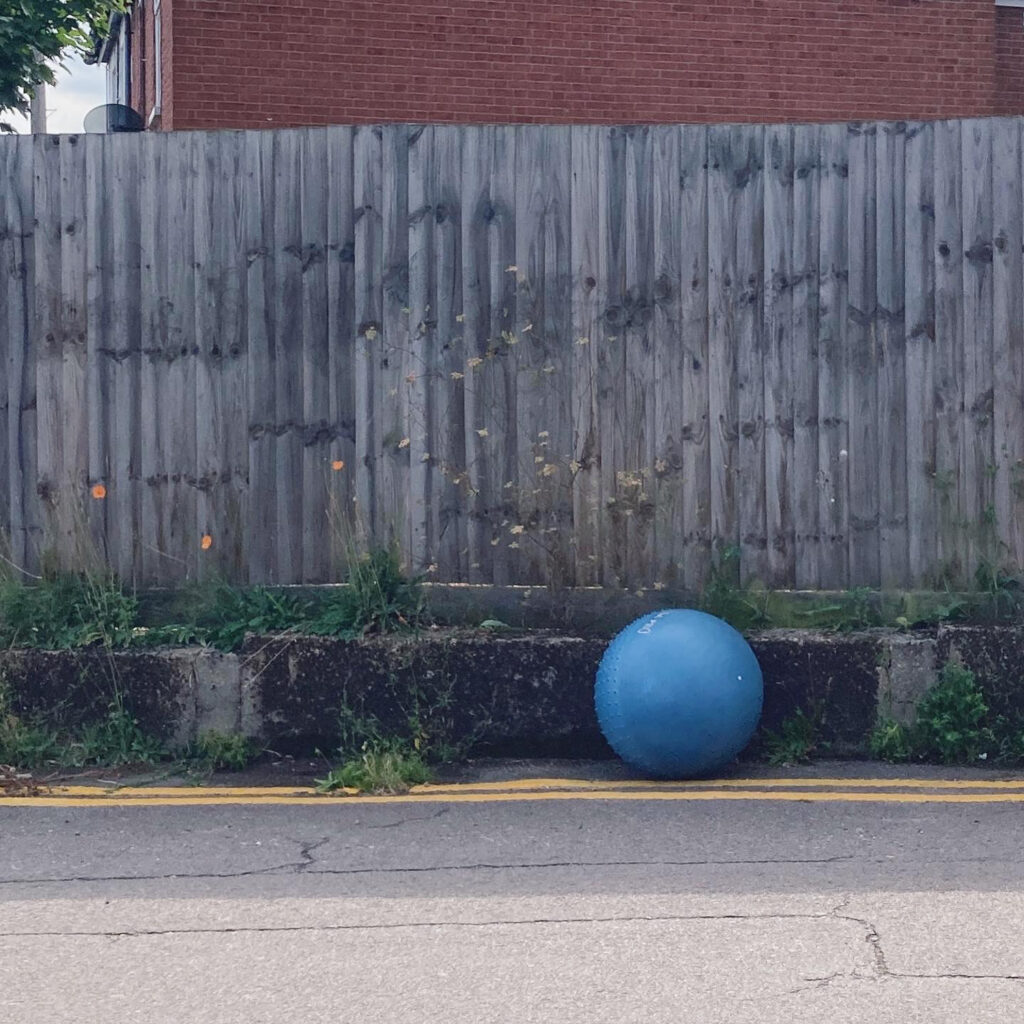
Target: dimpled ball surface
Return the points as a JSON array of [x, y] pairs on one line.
[[678, 693]]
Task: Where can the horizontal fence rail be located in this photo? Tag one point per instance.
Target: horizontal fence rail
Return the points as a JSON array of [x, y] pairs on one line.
[[569, 355]]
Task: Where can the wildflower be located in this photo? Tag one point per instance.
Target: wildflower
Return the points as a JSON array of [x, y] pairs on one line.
[[337, 465], [99, 491], [404, 443], [207, 542], [517, 529], [482, 432], [474, 362]]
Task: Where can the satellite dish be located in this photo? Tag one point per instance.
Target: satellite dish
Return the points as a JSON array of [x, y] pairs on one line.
[[112, 117]]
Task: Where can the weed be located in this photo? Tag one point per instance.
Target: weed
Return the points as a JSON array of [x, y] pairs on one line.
[[952, 720], [219, 751], [379, 598], [1010, 737], [891, 741], [795, 741], [114, 741], [65, 611], [222, 616], [723, 596], [27, 745], [382, 767]]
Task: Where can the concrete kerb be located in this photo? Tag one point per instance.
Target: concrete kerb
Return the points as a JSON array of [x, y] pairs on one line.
[[515, 694]]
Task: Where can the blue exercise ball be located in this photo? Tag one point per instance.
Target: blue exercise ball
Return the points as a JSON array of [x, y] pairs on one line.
[[678, 693]]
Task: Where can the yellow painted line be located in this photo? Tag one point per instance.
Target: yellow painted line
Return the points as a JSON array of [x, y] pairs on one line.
[[184, 791], [542, 785], [872, 783], [197, 799]]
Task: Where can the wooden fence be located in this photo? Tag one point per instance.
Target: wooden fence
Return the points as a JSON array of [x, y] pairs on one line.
[[585, 355]]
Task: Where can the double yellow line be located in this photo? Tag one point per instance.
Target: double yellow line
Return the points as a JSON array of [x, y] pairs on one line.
[[799, 790]]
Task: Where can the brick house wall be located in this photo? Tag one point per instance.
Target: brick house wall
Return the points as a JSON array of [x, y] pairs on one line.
[[1009, 60], [271, 63], [155, 110]]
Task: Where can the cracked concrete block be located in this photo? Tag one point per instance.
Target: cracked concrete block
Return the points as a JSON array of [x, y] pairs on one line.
[[907, 670], [218, 692]]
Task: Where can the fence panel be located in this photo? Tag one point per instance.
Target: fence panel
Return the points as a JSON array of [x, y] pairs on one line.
[[528, 354]]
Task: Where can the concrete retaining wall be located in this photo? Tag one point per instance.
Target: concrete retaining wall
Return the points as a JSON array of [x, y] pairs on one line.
[[505, 693]]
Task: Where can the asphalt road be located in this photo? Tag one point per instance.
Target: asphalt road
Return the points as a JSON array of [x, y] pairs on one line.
[[543, 907]]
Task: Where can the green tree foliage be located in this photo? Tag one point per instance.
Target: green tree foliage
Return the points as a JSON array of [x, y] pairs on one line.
[[36, 33]]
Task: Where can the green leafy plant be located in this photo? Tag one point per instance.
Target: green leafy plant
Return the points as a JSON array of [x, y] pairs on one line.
[[952, 720], [379, 598], [723, 596], [795, 741], [66, 611], [114, 741], [891, 741], [382, 767], [225, 615], [219, 751], [27, 745]]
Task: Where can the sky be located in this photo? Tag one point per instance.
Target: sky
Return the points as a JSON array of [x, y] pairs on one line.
[[78, 90]]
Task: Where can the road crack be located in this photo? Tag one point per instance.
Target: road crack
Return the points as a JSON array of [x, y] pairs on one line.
[[389, 926], [871, 935], [303, 865]]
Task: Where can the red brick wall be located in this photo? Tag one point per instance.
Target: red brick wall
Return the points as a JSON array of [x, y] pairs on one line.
[[1010, 60], [261, 63], [144, 62]]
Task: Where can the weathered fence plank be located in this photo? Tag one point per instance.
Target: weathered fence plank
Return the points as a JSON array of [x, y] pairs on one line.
[[369, 271], [587, 318], [611, 352], [723, 344], [977, 449], [919, 326], [288, 344], [180, 542], [805, 538], [402, 345], [696, 427], [316, 433], [864, 456], [99, 376], [833, 356], [636, 486], [448, 462], [56, 493], [261, 524], [890, 333], [340, 260], [669, 360], [1008, 339], [75, 542], [949, 334], [578, 355], [414, 440], [780, 357]]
